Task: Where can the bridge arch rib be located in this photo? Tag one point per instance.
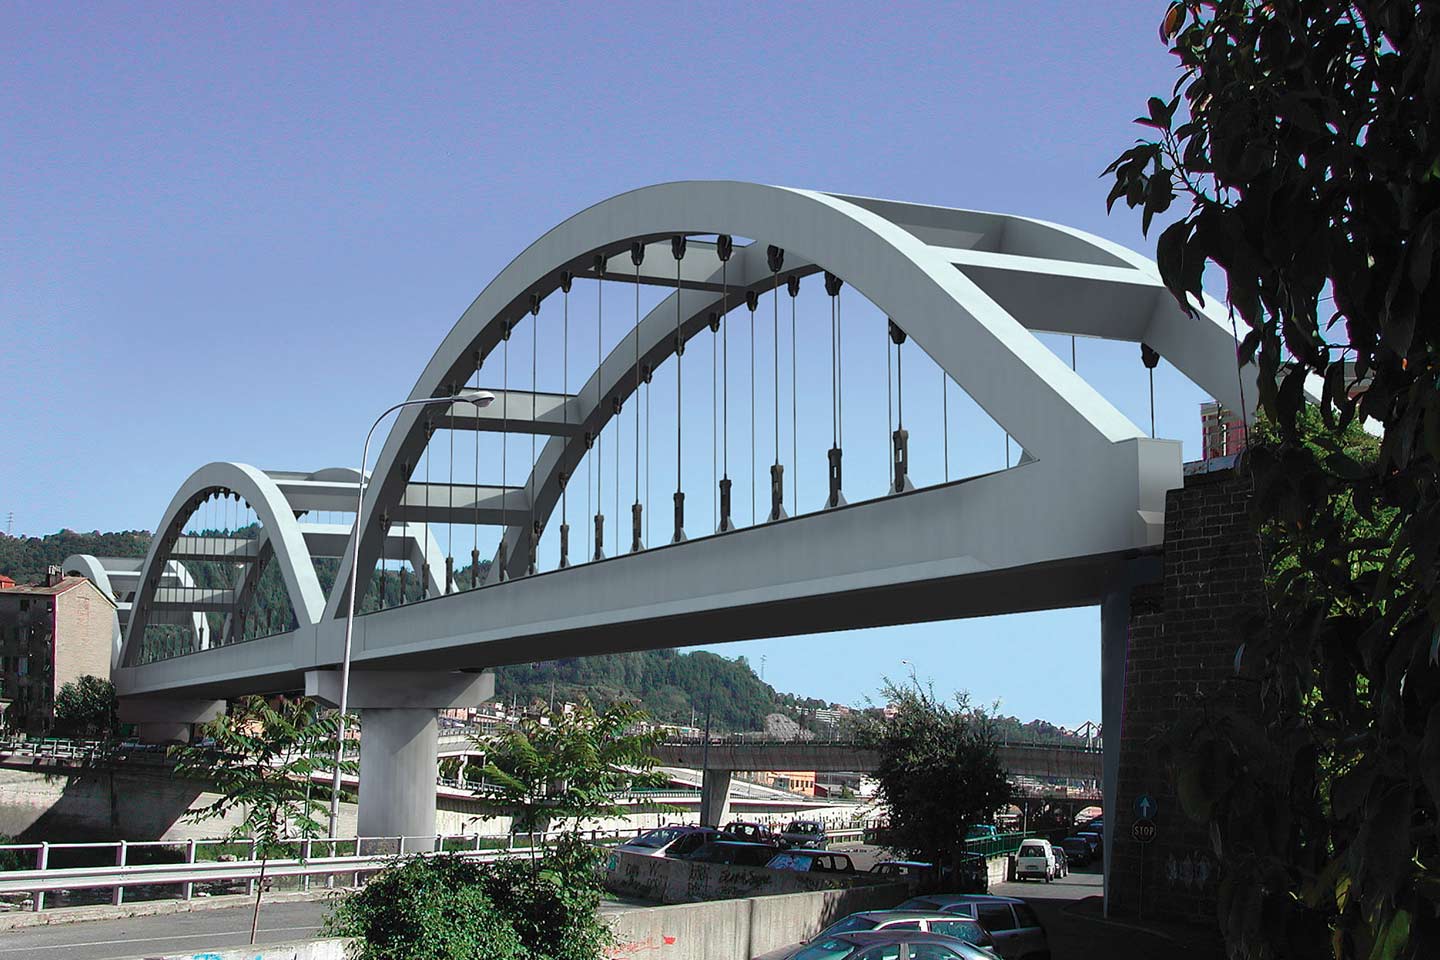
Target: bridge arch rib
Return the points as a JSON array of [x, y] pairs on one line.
[[969, 287], [283, 537]]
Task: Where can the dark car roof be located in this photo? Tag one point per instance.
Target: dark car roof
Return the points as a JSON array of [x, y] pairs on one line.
[[814, 853], [945, 899], [891, 936]]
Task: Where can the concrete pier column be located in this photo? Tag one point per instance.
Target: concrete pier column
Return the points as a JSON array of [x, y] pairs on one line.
[[715, 796], [399, 729], [1114, 646], [398, 767]]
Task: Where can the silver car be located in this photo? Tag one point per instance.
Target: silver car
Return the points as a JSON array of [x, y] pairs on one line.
[[676, 841], [1010, 921]]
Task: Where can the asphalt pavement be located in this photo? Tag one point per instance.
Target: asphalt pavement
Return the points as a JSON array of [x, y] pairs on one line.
[[1070, 909], [194, 931]]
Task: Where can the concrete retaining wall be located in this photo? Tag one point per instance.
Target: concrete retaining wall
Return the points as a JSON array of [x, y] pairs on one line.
[[305, 950], [730, 929]]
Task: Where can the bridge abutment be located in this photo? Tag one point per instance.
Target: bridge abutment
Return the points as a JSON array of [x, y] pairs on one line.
[[399, 730], [1182, 636]]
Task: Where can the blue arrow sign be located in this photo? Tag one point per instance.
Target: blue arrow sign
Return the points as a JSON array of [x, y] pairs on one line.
[[1145, 807]]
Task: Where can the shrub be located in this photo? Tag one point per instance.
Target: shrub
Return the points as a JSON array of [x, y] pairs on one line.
[[449, 908], [425, 908]]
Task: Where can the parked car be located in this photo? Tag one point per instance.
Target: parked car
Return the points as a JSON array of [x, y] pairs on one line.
[[805, 833], [733, 852], [1035, 860], [811, 861], [1077, 850], [1062, 862], [1012, 922], [674, 841], [747, 832], [915, 871], [1096, 841], [962, 928], [890, 945], [980, 831]]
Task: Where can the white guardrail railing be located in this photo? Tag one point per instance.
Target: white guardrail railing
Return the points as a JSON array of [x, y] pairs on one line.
[[316, 857]]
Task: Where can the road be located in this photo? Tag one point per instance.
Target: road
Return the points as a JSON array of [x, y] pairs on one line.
[[1070, 910], [197, 930], [167, 933]]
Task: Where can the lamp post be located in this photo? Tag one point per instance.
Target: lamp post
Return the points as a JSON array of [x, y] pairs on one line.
[[481, 398]]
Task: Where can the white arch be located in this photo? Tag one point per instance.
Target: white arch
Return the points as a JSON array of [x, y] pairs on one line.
[[276, 516], [938, 272], [100, 570]]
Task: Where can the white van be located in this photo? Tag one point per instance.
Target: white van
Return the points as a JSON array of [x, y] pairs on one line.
[[1036, 858]]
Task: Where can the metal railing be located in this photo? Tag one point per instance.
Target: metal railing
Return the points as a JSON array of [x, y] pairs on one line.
[[211, 862], [205, 863]]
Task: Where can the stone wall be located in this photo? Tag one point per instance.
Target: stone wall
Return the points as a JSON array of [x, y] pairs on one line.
[[1184, 633]]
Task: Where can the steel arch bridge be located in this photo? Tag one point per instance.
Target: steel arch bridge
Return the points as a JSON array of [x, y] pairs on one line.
[[1066, 526]]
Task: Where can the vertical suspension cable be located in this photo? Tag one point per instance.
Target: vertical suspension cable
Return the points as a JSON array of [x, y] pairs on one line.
[[425, 547], [677, 249], [532, 530], [505, 453], [565, 281], [598, 520], [751, 302], [475, 530], [794, 287], [1072, 352], [724, 247], [637, 256]]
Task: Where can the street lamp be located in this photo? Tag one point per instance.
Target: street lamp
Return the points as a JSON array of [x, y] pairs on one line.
[[481, 398]]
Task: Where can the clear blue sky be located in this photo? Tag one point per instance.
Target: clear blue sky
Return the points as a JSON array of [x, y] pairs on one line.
[[238, 233]]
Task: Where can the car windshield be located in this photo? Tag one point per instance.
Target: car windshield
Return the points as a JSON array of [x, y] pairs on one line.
[[827, 948], [967, 930], [804, 828], [849, 924], [655, 838], [789, 861], [1032, 850]]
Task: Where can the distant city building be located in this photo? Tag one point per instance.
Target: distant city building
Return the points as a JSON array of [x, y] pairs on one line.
[[830, 718], [796, 781], [50, 634], [1222, 433]]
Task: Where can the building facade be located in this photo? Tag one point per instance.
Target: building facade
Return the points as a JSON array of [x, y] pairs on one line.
[[50, 634]]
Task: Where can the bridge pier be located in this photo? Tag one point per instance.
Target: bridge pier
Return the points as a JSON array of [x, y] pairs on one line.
[[715, 796], [1114, 645], [399, 729]]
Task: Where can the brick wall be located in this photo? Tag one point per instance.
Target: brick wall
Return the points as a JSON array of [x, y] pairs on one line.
[[1184, 633], [85, 632]]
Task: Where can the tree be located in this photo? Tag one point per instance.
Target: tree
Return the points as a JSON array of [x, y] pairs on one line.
[[939, 771], [264, 759], [1305, 136], [86, 708], [568, 765]]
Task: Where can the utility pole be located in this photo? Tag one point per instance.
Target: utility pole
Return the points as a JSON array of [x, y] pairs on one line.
[[10, 524]]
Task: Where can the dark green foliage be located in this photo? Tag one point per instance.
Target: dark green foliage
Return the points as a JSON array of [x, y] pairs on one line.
[[261, 761], [25, 559], [1305, 135], [13, 859], [939, 771], [448, 908], [426, 908], [673, 687], [568, 766], [86, 708]]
